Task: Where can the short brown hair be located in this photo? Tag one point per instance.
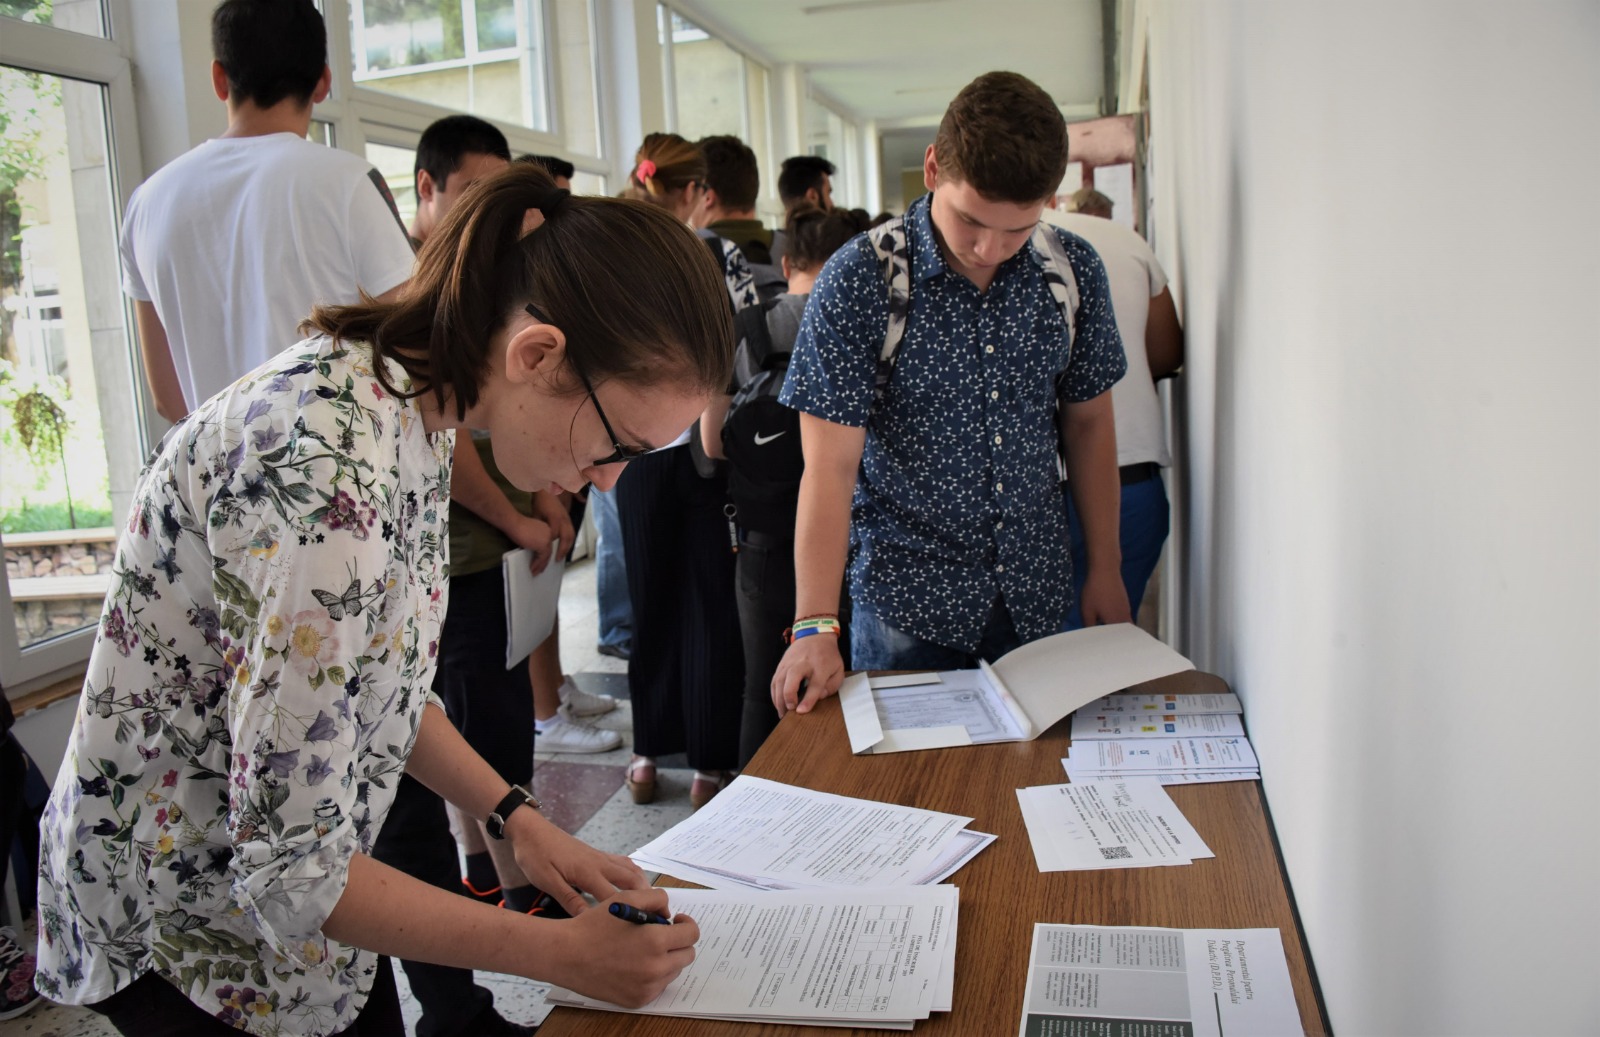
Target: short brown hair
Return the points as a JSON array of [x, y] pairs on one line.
[[731, 171], [636, 293], [1004, 136], [814, 235]]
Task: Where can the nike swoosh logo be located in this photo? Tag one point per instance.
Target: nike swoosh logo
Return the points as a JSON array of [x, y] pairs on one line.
[[764, 440]]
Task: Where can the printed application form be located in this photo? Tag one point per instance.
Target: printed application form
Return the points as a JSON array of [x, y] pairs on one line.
[[764, 834], [1128, 823], [879, 957], [1129, 981]]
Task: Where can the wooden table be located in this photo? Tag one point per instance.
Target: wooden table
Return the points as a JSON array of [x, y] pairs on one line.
[[1003, 892]]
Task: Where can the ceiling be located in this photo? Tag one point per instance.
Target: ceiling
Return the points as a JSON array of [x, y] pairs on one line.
[[901, 61]]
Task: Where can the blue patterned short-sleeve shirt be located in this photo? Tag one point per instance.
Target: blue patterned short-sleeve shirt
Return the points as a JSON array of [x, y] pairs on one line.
[[957, 502], [263, 660]]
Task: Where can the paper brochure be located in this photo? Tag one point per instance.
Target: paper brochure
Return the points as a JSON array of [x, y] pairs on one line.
[[1128, 981]]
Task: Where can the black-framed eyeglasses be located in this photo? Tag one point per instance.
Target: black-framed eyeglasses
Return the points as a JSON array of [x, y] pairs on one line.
[[619, 454]]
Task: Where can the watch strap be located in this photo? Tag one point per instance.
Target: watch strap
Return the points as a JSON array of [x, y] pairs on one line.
[[495, 823]]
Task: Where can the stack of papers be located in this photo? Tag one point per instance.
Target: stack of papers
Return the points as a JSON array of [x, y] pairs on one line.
[[880, 958], [1173, 738], [760, 834], [1086, 979], [1127, 823]]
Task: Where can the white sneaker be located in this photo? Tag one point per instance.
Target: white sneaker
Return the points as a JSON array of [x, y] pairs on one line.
[[560, 735], [580, 703]]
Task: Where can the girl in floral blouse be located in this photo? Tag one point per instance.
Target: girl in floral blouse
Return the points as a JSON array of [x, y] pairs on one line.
[[261, 678]]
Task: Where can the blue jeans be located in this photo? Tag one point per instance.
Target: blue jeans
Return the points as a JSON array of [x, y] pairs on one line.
[[875, 645], [1146, 521], [611, 572]]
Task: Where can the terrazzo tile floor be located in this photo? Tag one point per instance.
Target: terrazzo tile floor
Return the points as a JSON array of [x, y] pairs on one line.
[[583, 794]]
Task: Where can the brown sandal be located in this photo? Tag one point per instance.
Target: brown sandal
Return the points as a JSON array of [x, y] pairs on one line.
[[703, 789], [641, 778]]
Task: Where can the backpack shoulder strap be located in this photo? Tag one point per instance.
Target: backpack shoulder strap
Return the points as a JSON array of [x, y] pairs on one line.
[[893, 250], [1051, 255]]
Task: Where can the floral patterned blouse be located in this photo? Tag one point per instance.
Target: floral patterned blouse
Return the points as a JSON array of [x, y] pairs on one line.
[[263, 659]]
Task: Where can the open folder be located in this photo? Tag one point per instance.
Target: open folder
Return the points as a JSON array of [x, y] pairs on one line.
[[1016, 699]]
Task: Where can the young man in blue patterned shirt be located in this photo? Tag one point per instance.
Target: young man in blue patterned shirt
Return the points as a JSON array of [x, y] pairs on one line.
[[944, 492]]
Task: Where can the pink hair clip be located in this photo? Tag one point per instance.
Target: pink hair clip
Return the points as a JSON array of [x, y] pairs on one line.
[[645, 170]]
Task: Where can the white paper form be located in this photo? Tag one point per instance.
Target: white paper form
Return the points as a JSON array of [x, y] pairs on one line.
[[530, 601], [1141, 755], [966, 845], [880, 956], [955, 698], [1129, 981], [757, 829], [1189, 703], [1189, 778], [1129, 823], [1087, 726]]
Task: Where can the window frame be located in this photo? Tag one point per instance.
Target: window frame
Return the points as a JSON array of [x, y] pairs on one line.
[[67, 54], [350, 92]]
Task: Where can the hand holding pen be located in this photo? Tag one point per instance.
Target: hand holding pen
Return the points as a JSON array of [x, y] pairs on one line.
[[629, 913]]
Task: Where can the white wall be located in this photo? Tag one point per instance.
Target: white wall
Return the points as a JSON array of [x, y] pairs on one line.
[[1384, 224]]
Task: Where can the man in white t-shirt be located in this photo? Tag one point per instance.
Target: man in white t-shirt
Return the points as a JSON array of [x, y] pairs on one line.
[[228, 247], [1153, 341]]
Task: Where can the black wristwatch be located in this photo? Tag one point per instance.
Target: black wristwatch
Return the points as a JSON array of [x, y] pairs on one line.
[[495, 823]]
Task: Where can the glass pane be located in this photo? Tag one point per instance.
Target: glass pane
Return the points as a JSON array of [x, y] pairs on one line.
[[401, 33], [707, 82], [497, 24], [817, 129], [320, 133], [575, 89], [755, 80], [422, 49], [85, 16], [66, 388], [398, 166], [588, 183]]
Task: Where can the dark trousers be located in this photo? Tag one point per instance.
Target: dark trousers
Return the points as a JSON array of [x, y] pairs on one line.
[[766, 596], [152, 1007], [687, 670], [415, 838]]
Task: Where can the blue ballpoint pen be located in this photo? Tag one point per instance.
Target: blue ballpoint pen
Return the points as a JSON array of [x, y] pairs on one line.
[[629, 913]]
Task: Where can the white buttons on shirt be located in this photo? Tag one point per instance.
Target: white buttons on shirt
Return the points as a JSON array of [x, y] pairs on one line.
[[994, 394], [999, 487], [1000, 568], [997, 440], [988, 349]]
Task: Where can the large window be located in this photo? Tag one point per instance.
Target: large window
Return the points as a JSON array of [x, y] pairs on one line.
[[577, 95], [485, 57], [707, 80], [70, 433], [712, 88], [398, 166]]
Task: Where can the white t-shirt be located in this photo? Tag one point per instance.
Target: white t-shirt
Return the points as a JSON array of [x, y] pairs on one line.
[[1136, 278], [236, 240]]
